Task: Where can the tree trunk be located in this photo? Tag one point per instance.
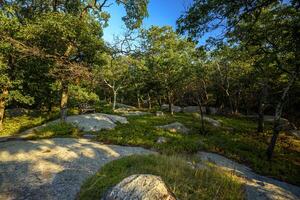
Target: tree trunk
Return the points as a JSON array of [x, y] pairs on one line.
[[261, 108], [149, 102], [138, 100], [64, 102], [202, 130], [278, 112], [115, 100], [159, 101], [2, 106], [170, 103]]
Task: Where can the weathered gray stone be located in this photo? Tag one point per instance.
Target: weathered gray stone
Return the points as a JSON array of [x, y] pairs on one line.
[[256, 186], [159, 113], [213, 122], [175, 109], [134, 113], [212, 110], [89, 136], [175, 127], [161, 140], [89, 122], [140, 187], [53, 169], [193, 109]]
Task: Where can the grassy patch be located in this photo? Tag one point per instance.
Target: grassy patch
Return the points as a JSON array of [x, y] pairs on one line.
[[242, 143], [55, 130], [14, 125], [184, 181], [141, 131]]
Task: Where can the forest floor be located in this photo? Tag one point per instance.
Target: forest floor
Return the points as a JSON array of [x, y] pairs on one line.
[[236, 139]]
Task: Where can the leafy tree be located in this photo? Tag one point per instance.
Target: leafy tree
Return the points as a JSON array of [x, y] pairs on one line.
[[272, 26], [168, 58], [11, 73], [115, 74]]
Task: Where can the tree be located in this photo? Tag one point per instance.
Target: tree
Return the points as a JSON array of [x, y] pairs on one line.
[[115, 74], [11, 73], [272, 26], [167, 58], [73, 19]]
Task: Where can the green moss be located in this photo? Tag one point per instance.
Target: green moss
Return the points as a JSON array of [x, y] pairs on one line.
[[184, 181]]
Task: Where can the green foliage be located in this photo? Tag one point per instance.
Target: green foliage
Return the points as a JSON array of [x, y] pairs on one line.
[[80, 95], [184, 181], [242, 143], [16, 124], [141, 131], [55, 130]]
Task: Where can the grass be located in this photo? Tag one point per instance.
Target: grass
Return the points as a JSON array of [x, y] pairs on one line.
[[13, 125], [183, 180], [141, 131], [55, 130], [16, 124], [241, 143]]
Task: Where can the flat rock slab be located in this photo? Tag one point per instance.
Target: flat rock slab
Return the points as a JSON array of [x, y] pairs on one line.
[[175, 127], [257, 187], [89, 122], [53, 169]]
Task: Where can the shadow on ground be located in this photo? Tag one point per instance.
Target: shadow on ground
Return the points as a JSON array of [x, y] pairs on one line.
[[54, 168]]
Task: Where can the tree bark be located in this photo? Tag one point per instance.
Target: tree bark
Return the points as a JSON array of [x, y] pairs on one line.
[[64, 102], [261, 109], [138, 100], [149, 102], [115, 100], [170, 103], [2, 106], [278, 113], [202, 130]]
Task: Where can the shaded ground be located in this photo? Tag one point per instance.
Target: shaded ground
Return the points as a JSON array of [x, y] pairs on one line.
[[54, 168], [257, 187]]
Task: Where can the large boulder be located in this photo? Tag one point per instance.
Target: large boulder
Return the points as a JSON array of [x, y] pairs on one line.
[[212, 110], [193, 109], [159, 113], [140, 187], [88, 122], [175, 109], [121, 105], [175, 127], [211, 121]]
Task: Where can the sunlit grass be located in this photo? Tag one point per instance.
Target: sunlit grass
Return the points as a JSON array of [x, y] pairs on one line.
[[183, 180]]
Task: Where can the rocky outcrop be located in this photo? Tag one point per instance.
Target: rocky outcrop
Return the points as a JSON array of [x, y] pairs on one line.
[[88, 122], [175, 127], [159, 113], [161, 140], [193, 109], [211, 121], [140, 187], [175, 109]]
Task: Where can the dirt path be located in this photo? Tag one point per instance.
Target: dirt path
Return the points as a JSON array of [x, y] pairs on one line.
[[53, 168], [257, 187]]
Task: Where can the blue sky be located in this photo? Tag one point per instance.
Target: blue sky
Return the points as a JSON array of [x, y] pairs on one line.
[[161, 12]]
